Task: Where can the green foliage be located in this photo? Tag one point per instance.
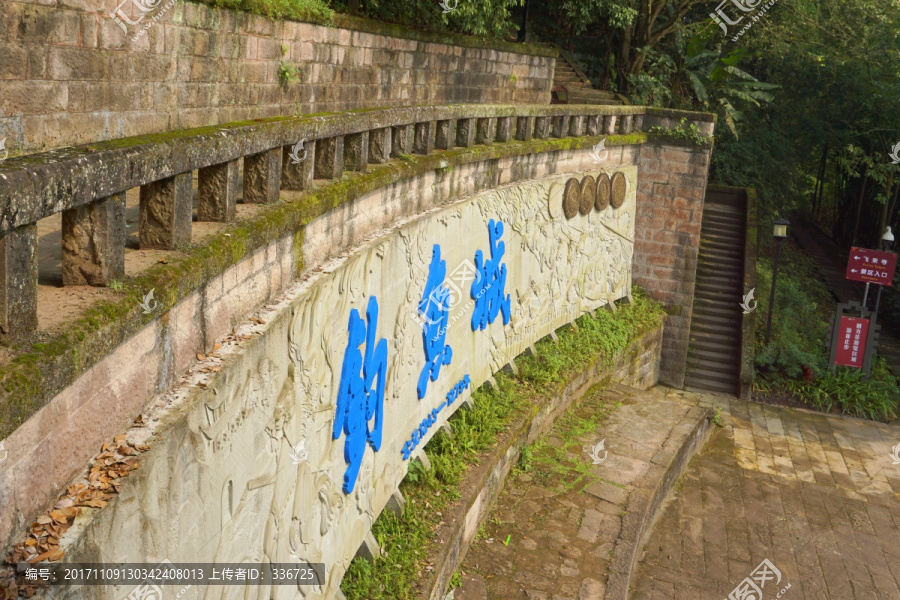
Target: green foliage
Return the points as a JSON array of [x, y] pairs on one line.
[[486, 18], [684, 132], [116, 285], [455, 580], [288, 72], [406, 540], [312, 11], [799, 346], [716, 419]]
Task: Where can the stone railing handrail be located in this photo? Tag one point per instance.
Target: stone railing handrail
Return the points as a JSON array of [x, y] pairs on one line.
[[87, 184]]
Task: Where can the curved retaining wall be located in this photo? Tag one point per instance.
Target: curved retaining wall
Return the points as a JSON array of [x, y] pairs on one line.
[[308, 428], [198, 65]]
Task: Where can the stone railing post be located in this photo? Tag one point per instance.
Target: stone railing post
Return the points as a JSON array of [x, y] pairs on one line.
[[401, 140], [465, 132], [576, 126], [561, 126], [356, 151], [166, 207], [93, 242], [593, 124], [380, 145], [18, 281], [424, 138], [542, 127], [445, 136], [486, 131], [625, 124], [504, 129], [609, 124], [524, 128], [217, 187], [262, 177], [297, 168], [330, 158]]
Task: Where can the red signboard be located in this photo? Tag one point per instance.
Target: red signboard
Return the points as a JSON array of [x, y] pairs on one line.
[[851, 342], [871, 266]]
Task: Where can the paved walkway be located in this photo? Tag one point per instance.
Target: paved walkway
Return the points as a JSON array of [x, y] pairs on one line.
[[818, 496], [554, 529]]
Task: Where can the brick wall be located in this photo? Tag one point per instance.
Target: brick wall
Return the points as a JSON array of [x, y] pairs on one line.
[[672, 185], [70, 75]]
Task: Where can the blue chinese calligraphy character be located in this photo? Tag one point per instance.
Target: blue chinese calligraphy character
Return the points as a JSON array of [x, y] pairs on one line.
[[434, 306], [488, 289], [357, 401]]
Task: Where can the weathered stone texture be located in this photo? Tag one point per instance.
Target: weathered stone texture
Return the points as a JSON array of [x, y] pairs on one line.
[[330, 158], [217, 192], [18, 281], [200, 64], [356, 151], [380, 145], [262, 177], [93, 242], [297, 168], [166, 213]]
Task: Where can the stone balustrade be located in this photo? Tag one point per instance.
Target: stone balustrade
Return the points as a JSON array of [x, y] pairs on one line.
[[87, 184]]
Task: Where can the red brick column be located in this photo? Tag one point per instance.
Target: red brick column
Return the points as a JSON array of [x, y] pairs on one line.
[[671, 188]]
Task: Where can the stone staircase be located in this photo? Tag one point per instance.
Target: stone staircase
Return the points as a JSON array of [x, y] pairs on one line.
[[714, 353], [571, 86]]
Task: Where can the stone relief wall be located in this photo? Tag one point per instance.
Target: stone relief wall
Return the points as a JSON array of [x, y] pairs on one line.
[[302, 438]]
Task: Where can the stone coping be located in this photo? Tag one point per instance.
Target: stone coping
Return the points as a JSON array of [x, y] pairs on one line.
[[39, 185], [39, 370]]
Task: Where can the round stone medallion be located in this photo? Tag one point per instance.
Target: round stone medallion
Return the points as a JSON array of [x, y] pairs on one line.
[[571, 198], [618, 190], [588, 194], [603, 192]]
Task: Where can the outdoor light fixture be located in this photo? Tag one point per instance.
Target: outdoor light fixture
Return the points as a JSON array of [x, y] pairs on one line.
[[887, 240], [779, 232]]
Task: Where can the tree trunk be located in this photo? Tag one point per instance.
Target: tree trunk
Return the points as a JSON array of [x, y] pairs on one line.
[[862, 193], [820, 184]]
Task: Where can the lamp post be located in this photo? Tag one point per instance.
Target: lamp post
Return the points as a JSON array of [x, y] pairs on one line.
[[887, 240], [779, 232]]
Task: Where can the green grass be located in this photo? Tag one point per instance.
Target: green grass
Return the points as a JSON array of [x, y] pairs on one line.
[[312, 11], [407, 540]]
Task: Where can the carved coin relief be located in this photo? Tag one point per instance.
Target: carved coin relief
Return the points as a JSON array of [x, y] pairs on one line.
[[572, 198], [588, 194], [603, 192], [618, 190]]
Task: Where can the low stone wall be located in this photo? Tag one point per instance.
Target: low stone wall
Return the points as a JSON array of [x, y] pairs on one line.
[[196, 65]]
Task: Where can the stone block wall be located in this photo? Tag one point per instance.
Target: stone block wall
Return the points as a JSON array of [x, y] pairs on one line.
[[69, 74], [671, 189]]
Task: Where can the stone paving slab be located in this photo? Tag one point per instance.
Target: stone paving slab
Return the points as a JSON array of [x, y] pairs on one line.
[[816, 495], [566, 518]]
